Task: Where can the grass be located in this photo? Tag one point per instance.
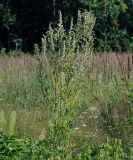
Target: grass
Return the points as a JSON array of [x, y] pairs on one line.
[[108, 96], [19, 74]]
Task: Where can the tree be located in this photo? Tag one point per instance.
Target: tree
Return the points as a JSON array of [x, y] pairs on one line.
[[26, 20], [7, 19], [109, 33]]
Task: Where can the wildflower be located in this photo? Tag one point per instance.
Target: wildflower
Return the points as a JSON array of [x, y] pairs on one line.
[[91, 116], [77, 128], [84, 125], [95, 117], [93, 109], [94, 135], [84, 112], [41, 137]]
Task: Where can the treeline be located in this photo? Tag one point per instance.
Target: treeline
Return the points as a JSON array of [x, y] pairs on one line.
[[22, 22]]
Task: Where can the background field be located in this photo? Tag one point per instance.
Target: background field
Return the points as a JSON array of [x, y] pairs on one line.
[[109, 82]]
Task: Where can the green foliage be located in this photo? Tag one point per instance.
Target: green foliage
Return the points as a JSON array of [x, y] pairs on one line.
[[2, 52], [23, 23], [117, 119], [7, 19], [67, 78], [12, 148], [112, 150], [78, 37], [110, 34], [6, 16]]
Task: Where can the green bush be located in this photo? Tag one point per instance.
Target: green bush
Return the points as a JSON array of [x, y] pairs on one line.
[[12, 148]]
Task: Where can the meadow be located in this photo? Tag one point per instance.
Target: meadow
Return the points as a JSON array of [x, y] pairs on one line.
[[72, 104]]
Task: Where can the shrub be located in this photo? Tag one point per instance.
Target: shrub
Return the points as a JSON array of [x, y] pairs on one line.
[[12, 148]]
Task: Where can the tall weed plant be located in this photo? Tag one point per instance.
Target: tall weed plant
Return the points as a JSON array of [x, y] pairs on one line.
[[63, 57]]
